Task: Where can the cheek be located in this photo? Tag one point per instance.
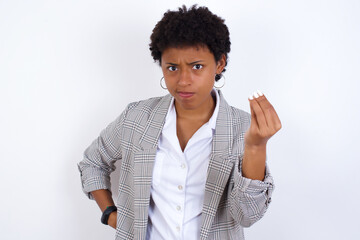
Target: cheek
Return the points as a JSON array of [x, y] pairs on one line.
[[170, 83], [208, 78]]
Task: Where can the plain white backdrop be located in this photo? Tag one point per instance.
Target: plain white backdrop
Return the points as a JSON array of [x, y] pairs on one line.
[[68, 68]]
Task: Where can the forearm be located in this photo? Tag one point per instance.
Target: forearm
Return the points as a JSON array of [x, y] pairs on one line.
[[253, 163], [104, 199]]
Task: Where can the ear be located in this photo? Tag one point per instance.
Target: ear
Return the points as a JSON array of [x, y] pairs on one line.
[[220, 65]]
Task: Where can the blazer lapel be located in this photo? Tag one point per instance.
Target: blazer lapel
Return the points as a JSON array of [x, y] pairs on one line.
[[144, 163], [220, 166]]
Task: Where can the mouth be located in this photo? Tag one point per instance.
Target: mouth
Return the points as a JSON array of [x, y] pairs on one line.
[[186, 94]]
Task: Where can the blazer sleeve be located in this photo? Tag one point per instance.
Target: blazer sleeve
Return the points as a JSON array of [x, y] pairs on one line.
[[250, 198], [99, 158]]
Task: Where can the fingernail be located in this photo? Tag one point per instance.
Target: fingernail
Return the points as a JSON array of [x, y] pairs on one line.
[[256, 95], [251, 97], [260, 93]]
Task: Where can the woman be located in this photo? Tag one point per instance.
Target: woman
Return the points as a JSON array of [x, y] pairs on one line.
[[191, 166]]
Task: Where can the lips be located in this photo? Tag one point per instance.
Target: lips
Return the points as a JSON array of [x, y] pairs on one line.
[[186, 94]]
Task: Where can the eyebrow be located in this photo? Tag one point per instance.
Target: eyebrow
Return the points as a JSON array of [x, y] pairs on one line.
[[174, 64]]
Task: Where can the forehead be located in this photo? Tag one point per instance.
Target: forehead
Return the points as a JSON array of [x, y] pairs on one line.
[[187, 53]]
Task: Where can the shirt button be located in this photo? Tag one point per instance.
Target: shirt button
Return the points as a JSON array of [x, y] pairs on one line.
[[178, 228], [180, 187], [183, 166], [178, 208]]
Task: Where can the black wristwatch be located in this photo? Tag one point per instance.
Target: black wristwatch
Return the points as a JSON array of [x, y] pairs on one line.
[[106, 214]]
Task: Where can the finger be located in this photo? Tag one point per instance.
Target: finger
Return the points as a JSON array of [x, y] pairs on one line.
[[253, 116], [271, 116], [260, 117], [276, 120]]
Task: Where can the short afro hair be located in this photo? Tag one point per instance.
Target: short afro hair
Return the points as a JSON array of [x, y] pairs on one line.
[[189, 27]]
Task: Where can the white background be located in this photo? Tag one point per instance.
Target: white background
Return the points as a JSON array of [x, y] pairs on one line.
[[68, 68]]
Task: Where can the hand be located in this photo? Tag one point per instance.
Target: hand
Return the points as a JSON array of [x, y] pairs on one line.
[[112, 220], [264, 121]]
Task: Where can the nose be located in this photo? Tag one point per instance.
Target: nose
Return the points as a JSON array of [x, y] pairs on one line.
[[185, 78]]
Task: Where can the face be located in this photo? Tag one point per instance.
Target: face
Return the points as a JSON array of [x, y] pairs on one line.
[[189, 74]]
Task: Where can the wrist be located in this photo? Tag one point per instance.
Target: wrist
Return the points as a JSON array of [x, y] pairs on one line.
[[255, 148], [106, 214], [112, 219], [253, 163]]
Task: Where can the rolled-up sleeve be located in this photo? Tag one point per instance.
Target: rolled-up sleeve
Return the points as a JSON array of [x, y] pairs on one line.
[[99, 158], [250, 198]]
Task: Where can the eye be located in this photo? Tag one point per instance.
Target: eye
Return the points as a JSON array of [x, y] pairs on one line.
[[197, 66], [172, 68]]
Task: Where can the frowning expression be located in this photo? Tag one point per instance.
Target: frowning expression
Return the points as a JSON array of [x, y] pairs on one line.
[[189, 74]]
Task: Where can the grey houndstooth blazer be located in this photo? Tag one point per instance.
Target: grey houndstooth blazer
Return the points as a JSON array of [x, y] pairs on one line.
[[231, 201]]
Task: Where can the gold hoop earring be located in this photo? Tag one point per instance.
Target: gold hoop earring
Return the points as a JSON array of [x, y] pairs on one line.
[[218, 87], [161, 84]]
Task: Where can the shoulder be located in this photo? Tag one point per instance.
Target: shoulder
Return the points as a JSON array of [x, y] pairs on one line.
[[236, 120], [135, 118], [233, 114], [142, 111], [239, 115], [240, 121], [148, 105]]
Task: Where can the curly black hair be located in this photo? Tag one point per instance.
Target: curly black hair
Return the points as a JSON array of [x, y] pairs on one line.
[[189, 27]]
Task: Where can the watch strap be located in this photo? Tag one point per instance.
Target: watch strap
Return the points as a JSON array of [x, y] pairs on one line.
[[106, 214]]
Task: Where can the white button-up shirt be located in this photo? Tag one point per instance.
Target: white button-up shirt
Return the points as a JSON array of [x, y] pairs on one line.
[[178, 182]]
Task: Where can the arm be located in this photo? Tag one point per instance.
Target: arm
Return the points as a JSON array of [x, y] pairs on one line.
[[253, 164], [253, 184], [100, 156], [250, 198], [99, 159], [264, 124], [103, 199], [98, 163]]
